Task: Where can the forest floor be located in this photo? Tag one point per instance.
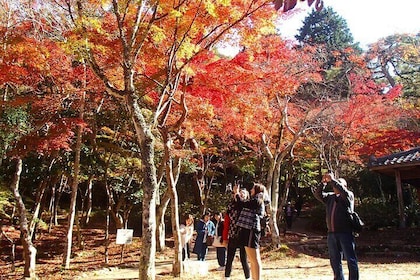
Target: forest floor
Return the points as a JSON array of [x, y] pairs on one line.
[[385, 254]]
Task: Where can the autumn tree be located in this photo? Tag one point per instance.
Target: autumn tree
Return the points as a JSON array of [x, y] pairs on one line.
[[141, 52], [53, 87], [254, 103], [33, 91], [395, 60], [362, 120]]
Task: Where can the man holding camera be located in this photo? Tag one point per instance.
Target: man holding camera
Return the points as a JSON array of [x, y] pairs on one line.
[[340, 239]]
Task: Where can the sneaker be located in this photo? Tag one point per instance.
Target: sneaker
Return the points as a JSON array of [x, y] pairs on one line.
[[220, 268]]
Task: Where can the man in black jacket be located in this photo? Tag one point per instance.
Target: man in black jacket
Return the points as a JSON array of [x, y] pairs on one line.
[[339, 204]]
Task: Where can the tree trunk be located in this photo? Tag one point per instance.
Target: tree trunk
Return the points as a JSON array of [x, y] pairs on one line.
[[87, 201], [160, 220], [273, 188], [108, 209], [284, 196], [75, 183], [51, 206], [29, 251], [275, 193], [172, 167], [73, 200], [177, 265], [108, 212], [56, 201], [40, 195], [145, 138]]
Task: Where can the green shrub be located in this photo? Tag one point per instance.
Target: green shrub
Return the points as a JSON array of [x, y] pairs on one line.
[[317, 218], [5, 202], [378, 214]]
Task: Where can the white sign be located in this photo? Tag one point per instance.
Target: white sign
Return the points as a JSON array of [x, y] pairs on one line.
[[124, 236]]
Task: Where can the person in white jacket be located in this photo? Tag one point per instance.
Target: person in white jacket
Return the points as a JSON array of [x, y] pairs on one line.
[[187, 231]]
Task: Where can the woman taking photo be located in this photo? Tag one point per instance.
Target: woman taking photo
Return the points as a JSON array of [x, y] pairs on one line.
[[249, 223], [231, 235]]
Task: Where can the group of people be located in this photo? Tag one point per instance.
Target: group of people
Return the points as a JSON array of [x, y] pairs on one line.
[[240, 228]]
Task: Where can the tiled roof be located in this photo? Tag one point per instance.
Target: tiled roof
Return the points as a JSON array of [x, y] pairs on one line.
[[407, 164], [402, 158]]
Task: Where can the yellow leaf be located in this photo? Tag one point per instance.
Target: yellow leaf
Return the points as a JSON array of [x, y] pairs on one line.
[[175, 14], [158, 34], [224, 3], [210, 8]]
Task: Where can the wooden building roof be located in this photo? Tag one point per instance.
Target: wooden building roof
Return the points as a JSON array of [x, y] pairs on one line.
[[407, 162]]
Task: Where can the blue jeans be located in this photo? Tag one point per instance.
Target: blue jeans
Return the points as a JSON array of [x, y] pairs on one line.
[[340, 244]]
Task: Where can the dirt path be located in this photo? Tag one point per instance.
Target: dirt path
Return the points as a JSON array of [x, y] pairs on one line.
[[299, 266]]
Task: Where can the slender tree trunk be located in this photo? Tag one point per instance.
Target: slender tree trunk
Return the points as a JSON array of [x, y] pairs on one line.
[[108, 213], [108, 209], [172, 167], [80, 243], [51, 207], [275, 193], [87, 201], [73, 200], [75, 184], [57, 197], [29, 251], [147, 270], [284, 197], [160, 220], [273, 178], [177, 265], [41, 191]]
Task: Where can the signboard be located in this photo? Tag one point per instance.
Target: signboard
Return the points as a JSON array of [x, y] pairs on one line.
[[124, 236]]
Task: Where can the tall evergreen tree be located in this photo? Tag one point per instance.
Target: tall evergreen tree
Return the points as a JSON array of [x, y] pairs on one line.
[[328, 29], [325, 27]]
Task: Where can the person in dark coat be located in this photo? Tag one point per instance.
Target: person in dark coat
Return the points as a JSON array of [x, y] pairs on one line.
[[288, 212], [340, 239], [205, 228], [218, 241], [231, 235], [249, 223]]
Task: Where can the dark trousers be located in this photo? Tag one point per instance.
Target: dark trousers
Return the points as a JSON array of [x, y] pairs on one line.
[[289, 221], [186, 251], [231, 251], [221, 255], [201, 256]]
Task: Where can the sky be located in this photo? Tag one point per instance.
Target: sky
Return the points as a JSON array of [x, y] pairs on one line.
[[368, 20]]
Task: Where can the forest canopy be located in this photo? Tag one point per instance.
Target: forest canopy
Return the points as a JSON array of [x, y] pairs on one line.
[[128, 107]]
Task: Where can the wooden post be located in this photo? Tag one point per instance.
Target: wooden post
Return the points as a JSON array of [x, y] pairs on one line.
[[400, 199]]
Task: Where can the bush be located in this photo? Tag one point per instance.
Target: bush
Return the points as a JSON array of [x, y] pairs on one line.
[[317, 218], [378, 214], [6, 205], [374, 212]]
